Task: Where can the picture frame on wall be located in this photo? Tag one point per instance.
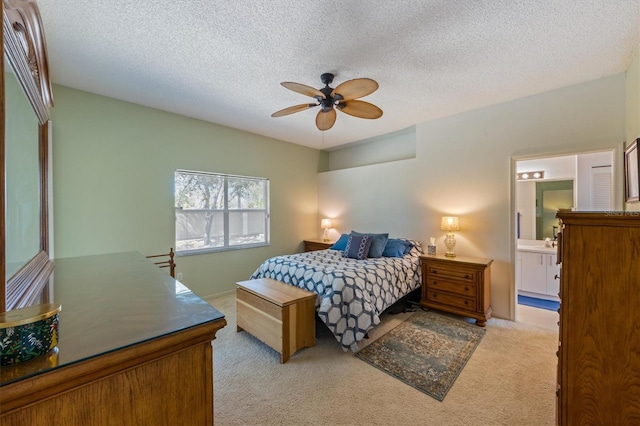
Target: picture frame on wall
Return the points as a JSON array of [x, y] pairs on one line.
[[631, 176]]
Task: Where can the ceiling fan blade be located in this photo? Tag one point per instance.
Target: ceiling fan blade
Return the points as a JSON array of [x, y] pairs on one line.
[[292, 109], [356, 88], [326, 120], [360, 109], [303, 88]]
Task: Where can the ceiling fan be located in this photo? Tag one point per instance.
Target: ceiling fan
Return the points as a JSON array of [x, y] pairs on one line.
[[343, 97]]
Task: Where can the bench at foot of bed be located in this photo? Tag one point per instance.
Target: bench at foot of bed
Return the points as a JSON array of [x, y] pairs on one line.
[[280, 315]]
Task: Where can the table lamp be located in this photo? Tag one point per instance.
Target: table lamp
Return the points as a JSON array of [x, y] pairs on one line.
[[326, 225], [449, 223]]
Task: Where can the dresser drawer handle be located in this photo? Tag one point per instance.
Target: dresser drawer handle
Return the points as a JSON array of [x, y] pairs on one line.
[[466, 302], [435, 295], [435, 283], [466, 289], [434, 271], [467, 276]]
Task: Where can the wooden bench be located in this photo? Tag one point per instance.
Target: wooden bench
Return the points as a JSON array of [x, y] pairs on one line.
[[278, 314]]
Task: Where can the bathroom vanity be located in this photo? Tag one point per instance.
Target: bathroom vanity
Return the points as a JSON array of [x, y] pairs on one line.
[[537, 271]]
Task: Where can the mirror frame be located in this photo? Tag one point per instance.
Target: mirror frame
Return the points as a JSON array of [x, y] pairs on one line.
[[24, 46]]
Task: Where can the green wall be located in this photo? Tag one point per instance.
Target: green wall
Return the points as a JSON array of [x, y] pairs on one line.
[[113, 168]]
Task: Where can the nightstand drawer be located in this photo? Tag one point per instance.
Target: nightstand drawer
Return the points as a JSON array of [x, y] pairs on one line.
[[451, 300], [453, 272], [442, 284]]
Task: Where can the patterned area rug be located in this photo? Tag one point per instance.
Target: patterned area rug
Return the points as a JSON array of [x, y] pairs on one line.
[[427, 351]]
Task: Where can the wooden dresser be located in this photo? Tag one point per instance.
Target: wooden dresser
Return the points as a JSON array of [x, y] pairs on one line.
[[134, 348], [599, 344], [313, 245], [460, 285]]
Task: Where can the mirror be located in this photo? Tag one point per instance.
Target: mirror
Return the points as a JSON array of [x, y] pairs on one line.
[[537, 203], [22, 173], [25, 266], [551, 197]]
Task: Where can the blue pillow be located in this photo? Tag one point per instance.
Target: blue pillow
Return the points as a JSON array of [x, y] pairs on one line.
[[378, 243], [357, 247], [341, 244], [396, 248]]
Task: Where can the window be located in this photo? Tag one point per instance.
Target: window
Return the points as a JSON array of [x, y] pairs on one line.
[[216, 212]]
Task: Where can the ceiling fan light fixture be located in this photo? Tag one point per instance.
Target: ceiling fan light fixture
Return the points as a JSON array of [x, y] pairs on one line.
[[343, 98]]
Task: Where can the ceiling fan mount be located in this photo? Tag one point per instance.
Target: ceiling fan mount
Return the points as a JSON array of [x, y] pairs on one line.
[[327, 78], [344, 98]]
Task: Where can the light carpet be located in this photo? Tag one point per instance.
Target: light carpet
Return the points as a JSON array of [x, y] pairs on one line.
[[509, 380]]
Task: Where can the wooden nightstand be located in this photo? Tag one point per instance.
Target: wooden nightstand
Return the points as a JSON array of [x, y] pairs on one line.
[[312, 245], [460, 285]]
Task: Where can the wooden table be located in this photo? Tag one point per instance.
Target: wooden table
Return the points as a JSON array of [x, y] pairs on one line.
[[134, 348]]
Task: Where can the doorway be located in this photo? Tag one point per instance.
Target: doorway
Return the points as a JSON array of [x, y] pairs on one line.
[[582, 181]]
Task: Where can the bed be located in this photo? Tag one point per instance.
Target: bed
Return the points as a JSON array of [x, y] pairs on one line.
[[352, 293]]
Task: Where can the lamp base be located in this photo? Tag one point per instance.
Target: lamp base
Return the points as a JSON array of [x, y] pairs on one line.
[[450, 243]]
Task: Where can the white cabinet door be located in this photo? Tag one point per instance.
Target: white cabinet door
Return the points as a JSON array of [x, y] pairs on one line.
[[533, 276], [553, 275]]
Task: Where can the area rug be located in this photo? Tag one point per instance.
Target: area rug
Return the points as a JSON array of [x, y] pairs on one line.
[[534, 302], [427, 351]]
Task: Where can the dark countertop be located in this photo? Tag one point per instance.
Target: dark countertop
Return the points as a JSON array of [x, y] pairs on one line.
[[111, 302]]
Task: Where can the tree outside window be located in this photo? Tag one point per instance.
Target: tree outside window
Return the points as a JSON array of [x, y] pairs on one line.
[[219, 212]]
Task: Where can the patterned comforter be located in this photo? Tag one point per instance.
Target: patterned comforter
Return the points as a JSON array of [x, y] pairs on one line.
[[351, 293]]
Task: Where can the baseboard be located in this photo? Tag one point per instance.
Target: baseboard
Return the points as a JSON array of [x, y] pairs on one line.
[[216, 295]]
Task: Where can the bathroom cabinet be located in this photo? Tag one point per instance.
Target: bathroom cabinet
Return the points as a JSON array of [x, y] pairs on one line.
[[538, 274]]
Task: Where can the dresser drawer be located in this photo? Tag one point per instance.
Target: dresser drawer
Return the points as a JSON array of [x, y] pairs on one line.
[[453, 272], [451, 300], [442, 284]]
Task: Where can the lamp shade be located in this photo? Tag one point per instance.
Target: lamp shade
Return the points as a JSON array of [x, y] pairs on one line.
[[449, 223], [325, 223]]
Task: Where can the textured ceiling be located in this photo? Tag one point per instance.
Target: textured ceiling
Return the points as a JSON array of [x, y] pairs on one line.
[[223, 61]]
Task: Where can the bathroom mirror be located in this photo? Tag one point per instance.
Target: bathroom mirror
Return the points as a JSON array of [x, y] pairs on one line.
[[537, 204], [550, 198], [26, 97]]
